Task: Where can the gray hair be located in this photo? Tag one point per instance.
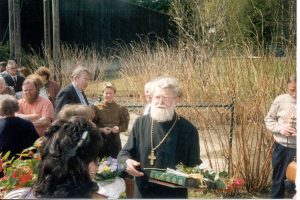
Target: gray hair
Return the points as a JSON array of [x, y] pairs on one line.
[[9, 63], [77, 72], [8, 105], [166, 82]]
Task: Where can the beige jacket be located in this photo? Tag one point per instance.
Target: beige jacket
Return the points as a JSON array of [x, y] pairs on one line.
[[281, 114]]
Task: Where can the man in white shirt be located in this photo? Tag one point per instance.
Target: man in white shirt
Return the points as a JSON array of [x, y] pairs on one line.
[[11, 77], [74, 92]]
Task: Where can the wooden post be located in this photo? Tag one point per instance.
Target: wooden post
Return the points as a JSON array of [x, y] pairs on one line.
[[11, 28], [17, 29], [47, 29], [56, 39]]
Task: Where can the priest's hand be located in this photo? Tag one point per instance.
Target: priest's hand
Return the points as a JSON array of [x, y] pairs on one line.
[[131, 168]]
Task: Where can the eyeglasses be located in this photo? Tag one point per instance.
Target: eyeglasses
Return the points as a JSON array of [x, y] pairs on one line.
[[163, 98]]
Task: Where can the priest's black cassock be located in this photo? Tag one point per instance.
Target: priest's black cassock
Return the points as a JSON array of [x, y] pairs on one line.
[[180, 146]]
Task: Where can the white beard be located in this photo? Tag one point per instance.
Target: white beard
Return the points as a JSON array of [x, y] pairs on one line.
[[162, 114]]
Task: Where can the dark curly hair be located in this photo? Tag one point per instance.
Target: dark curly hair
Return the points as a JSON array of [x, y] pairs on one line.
[[68, 148]]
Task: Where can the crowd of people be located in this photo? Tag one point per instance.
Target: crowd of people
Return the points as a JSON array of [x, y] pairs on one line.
[[77, 133]]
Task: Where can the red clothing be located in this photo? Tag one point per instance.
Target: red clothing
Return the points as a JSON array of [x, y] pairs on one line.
[[41, 106]]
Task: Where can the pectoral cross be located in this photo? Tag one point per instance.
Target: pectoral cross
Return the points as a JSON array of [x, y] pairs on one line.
[[152, 157]]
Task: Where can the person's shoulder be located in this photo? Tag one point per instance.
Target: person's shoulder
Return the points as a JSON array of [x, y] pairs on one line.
[[5, 76], [68, 89], [281, 97], [22, 122], [143, 119], [20, 77], [122, 108], [43, 100], [185, 123], [54, 84]]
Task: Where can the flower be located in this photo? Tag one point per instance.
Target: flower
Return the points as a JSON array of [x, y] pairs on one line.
[[215, 181], [20, 171], [109, 168]]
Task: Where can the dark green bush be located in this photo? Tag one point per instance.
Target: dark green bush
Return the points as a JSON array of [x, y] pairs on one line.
[[4, 52]]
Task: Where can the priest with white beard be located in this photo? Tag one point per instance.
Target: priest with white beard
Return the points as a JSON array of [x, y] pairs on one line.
[[161, 139]]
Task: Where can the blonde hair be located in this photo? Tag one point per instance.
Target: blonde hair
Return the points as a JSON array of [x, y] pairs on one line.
[[292, 78], [109, 85], [70, 110], [35, 79]]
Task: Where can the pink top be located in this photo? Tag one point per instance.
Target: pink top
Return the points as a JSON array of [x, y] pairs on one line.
[[41, 106]]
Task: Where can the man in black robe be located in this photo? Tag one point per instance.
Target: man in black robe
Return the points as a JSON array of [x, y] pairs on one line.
[[160, 140]]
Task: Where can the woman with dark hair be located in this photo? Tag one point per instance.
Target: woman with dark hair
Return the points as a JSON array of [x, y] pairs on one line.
[[69, 161]]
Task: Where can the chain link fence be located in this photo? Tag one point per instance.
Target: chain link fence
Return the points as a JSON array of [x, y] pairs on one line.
[[214, 121]]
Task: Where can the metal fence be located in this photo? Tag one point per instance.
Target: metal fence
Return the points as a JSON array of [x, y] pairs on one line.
[[139, 108], [215, 122]]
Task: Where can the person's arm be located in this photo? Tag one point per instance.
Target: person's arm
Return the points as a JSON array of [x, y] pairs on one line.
[[42, 122], [124, 120], [128, 154], [194, 150], [62, 98], [272, 124], [271, 120], [46, 115], [30, 117]]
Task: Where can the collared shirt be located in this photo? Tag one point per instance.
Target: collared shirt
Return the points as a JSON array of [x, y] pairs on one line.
[[14, 78], [41, 106], [80, 95]]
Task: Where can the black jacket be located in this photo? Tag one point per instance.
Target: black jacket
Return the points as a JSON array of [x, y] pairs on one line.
[[10, 82], [67, 95]]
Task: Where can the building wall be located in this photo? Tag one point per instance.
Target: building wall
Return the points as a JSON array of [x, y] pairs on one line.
[[91, 22]]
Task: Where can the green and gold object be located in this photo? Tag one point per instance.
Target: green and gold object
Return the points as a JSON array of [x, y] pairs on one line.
[[174, 179]]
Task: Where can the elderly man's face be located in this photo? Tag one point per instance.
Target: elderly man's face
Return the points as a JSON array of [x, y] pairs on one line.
[[12, 69], [163, 98], [30, 93], [82, 81], [163, 104]]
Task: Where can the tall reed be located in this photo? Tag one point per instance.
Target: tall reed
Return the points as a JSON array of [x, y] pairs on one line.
[[253, 82]]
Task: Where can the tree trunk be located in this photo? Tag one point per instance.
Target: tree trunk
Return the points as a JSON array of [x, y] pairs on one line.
[[56, 39], [11, 28], [17, 25], [47, 29]]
